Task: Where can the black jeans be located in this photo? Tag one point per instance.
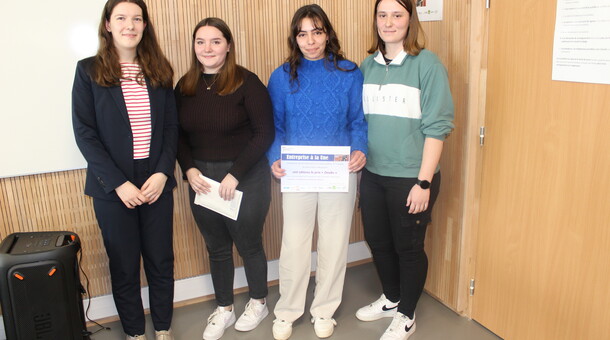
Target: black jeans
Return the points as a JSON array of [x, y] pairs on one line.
[[395, 237], [128, 233], [220, 232]]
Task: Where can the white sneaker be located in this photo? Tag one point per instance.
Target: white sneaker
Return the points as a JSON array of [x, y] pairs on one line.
[[136, 337], [382, 308], [282, 329], [253, 314], [324, 327], [218, 321], [401, 328], [164, 335]]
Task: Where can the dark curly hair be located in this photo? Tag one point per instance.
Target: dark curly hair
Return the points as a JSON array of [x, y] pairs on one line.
[[332, 53]]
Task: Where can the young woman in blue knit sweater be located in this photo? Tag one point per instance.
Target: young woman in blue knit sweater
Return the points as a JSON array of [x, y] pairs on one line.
[[317, 100]]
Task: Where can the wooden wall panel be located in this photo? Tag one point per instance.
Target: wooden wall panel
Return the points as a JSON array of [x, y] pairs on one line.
[[449, 39], [260, 27]]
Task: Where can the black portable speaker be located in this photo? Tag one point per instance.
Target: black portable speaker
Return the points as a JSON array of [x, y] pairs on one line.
[[40, 286]]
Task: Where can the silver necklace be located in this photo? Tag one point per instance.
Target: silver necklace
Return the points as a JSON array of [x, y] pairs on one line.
[[209, 86]]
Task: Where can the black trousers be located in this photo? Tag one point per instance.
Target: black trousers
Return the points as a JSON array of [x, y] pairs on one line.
[[220, 232], [128, 234], [395, 237]]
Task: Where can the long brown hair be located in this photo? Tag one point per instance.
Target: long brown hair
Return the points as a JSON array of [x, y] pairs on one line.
[[230, 76], [411, 44], [332, 52], [155, 67]]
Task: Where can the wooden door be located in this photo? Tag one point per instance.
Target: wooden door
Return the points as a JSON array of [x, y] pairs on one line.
[[543, 248]]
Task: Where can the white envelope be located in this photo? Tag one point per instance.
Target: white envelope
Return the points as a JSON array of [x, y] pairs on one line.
[[214, 202]]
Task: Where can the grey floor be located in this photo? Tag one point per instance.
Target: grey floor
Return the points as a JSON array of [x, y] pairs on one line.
[[434, 320]]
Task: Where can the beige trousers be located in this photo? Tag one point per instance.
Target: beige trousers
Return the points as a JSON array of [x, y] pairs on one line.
[[334, 211]]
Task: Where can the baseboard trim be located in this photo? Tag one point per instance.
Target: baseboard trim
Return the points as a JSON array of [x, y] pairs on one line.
[[102, 307]]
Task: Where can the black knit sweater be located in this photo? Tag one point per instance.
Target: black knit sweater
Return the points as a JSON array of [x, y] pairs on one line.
[[237, 127]]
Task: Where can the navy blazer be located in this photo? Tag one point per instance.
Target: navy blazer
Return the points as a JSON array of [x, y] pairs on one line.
[[103, 133]]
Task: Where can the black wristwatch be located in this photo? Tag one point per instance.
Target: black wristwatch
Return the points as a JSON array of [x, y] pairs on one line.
[[423, 184]]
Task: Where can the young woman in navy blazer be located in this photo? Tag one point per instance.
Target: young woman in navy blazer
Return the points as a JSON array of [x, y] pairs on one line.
[[125, 123]]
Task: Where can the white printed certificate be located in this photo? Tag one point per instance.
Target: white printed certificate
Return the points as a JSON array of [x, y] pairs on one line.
[[315, 168]]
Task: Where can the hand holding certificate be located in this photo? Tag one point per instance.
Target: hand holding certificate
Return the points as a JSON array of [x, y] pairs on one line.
[[315, 168], [214, 202]]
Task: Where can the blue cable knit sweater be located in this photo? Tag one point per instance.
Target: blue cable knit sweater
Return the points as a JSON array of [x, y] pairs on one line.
[[323, 108]]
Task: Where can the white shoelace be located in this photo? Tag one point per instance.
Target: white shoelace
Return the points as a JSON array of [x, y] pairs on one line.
[[216, 313], [251, 310], [398, 323]]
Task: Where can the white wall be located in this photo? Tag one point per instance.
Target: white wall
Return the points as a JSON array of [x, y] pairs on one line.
[[41, 41]]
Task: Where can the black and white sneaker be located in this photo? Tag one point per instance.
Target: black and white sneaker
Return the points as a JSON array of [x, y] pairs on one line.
[[382, 308], [401, 328]]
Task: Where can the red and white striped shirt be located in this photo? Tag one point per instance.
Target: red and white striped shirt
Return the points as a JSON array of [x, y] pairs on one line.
[[138, 108]]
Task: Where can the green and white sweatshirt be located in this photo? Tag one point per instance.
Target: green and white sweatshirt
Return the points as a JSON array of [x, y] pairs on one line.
[[404, 103]]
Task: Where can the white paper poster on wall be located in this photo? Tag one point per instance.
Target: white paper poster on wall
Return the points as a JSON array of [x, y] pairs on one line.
[[430, 10], [581, 49]]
